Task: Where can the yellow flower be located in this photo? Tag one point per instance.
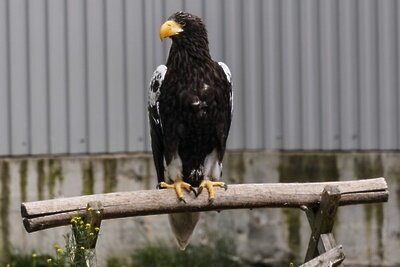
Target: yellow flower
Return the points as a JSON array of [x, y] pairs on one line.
[[34, 255], [97, 229], [49, 260], [82, 248], [59, 251], [87, 226], [91, 234], [90, 209]]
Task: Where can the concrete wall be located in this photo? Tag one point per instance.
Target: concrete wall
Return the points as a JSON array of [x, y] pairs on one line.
[[370, 234]]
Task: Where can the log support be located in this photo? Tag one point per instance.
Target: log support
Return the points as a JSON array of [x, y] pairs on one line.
[[92, 221], [321, 220], [86, 231], [333, 257], [320, 202]]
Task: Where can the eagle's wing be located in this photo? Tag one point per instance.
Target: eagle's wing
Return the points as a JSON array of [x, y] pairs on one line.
[[156, 130], [229, 110]]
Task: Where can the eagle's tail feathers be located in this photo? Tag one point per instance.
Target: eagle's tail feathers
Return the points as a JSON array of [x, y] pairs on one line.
[[182, 225]]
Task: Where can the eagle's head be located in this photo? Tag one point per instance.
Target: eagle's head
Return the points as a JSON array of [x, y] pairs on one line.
[[183, 27]]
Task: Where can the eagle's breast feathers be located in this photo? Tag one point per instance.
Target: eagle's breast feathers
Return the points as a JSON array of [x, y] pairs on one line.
[[195, 106]]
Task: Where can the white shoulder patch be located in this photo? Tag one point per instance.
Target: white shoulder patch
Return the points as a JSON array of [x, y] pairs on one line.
[[226, 70], [155, 84], [229, 77]]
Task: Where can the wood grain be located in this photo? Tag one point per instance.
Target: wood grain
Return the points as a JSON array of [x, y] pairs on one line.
[[45, 214]]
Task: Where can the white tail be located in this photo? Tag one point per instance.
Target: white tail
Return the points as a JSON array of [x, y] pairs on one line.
[[182, 225]]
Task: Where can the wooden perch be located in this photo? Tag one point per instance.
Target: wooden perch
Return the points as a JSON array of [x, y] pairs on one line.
[[323, 219], [45, 214], [332, 258]]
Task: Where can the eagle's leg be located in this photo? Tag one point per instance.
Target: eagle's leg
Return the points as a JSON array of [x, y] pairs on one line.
[[178, 184], [209, 185]]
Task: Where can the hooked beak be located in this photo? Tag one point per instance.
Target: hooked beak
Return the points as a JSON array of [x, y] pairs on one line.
[[170, 28]]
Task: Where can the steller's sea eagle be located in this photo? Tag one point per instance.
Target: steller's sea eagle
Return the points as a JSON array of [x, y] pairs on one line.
[[190, 112]]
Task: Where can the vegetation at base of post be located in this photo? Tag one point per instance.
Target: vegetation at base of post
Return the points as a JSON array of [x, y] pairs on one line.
[[76, 252], [220, 252]]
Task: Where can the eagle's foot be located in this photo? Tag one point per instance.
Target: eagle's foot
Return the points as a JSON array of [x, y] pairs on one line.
[[210, 188], [177, 186]]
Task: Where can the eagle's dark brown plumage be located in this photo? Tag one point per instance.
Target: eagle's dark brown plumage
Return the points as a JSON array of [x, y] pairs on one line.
[[190, 109]]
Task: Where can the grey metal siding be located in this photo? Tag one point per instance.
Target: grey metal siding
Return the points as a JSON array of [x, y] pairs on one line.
[[4, 81], [308, 74]]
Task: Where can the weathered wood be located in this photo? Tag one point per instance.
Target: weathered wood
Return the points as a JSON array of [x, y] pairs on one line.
[[45, 214], [86, 235], [94, 214], [326, 242], [323, 219], [333, 257]]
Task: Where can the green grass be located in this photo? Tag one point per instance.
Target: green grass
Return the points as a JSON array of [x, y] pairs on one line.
[[220, 253], [223, 253], [30, 260]]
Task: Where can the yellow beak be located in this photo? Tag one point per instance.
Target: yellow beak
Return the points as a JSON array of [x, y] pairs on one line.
[[170, 28]]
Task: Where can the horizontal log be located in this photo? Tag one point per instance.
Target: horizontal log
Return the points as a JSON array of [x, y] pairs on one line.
[[45, 214]]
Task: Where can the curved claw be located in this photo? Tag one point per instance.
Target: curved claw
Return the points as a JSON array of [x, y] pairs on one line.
[[181, 199], [199, 190], [178, 185], [194, 191], [209, 185]]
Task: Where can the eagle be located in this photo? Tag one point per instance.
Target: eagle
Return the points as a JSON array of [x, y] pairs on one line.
[[190, 112]]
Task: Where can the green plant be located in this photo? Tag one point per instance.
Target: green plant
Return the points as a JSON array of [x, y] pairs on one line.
[[77, 251], [222, 253], [117, 262], [79, 247], [33, 260]]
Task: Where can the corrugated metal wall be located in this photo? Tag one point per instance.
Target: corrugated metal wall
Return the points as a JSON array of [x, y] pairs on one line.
[[309, 74]]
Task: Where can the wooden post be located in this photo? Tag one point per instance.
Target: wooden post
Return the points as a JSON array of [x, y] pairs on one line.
[[86, 235], [332, 257], [326, 242], [94, 214], [321, 221], [40, 215], [320, 210]]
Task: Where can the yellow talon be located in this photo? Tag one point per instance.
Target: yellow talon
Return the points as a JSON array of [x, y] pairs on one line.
[[210, 188], [178, 185]]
